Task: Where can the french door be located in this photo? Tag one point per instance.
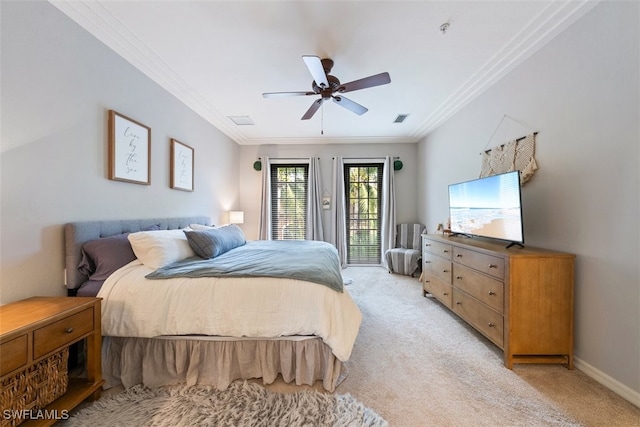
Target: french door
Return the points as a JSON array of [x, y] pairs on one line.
[[363, 191]]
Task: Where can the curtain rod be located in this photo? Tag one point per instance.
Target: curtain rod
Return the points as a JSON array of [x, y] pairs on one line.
[[502, 145], [288, 158], [376, 157]]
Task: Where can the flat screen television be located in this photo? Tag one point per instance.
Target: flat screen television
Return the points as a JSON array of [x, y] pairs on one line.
[[488, 207]]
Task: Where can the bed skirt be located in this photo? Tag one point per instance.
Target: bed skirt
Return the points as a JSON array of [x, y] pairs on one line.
[[217, 362]]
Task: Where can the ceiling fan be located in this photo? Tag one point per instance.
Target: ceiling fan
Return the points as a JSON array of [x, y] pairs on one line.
[[329, 87]]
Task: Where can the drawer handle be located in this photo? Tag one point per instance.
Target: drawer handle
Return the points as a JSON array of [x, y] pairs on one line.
[[493, 266], [69, 330], [491, 325], [445, 293], [445, 251], [445, 271], [427, 244], [458, 302], [427, 262], [458, 255], [458, 277], [491, 293]]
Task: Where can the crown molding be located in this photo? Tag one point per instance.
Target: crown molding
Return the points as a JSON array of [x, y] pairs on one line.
[[102, 24], [550, 22]]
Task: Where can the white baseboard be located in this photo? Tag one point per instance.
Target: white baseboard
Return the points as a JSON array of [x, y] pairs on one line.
[[612, 384]]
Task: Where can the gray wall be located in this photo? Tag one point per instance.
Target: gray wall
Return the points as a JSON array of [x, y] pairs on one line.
[[581, 92], [251, 181], [58, 82]]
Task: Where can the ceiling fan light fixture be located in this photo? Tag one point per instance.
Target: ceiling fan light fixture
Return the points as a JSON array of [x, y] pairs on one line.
[[328, 86]]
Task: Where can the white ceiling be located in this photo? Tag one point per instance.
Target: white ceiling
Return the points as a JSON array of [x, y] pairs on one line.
[[218, 57]]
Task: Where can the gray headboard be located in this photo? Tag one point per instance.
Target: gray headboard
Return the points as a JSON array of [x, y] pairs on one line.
[[76, 234]]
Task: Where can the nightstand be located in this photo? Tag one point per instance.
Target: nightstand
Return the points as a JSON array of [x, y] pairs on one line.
[[36, 331]]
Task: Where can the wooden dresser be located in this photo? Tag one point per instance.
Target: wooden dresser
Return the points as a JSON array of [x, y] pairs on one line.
[[34, 329], [519, 298]]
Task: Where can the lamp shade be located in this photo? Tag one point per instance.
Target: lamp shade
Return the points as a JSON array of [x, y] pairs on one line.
[[236, 217]]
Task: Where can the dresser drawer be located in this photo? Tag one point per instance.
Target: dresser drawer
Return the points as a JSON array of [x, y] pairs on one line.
[[437, 266], [437, 248], [491, 265], [13, 354], [484, 288], [62, 332], [481, 317], [439, 289]]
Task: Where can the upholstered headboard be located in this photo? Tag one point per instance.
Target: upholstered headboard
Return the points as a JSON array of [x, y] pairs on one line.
[[76, 234]]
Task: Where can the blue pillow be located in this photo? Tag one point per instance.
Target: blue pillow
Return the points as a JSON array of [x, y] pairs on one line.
[[214, 242]]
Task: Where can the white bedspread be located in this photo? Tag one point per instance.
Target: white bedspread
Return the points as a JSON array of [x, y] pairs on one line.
[[232, 307]]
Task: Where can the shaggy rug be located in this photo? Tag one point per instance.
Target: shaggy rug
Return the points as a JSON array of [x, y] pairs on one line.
[[241, 404]]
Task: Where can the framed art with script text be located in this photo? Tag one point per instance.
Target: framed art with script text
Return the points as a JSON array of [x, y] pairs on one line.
[[181, 169], [129, 150]]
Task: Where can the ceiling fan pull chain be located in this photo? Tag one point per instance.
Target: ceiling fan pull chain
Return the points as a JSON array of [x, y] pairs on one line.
[[322, 120]]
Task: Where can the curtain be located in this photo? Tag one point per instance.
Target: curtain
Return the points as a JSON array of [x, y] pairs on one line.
[[314, 202], [388, 229], [264, 231], [338, 232]]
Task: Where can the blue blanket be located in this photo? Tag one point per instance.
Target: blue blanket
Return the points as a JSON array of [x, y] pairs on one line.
[[308, 260]]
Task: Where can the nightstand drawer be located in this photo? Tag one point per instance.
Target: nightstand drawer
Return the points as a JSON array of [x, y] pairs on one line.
[[13, 355], [62, 332]]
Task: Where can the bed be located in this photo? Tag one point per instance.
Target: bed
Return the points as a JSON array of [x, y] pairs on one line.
[[165, 324]]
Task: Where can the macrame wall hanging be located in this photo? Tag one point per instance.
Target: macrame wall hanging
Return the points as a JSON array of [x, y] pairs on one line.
[[517, 154]]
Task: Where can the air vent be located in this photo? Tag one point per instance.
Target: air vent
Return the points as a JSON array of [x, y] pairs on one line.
[[242, 120], [400, 118]]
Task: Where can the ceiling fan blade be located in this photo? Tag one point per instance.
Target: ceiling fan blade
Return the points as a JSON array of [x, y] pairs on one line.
[[350, 105], [283, 94], [314, 64], [371, 81], [312, 110]]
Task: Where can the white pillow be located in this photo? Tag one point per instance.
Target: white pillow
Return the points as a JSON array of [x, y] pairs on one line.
[[158, 248], [199, 227]]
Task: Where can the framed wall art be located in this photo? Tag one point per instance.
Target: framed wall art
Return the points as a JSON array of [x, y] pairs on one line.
[[129, 150], [326, 202], [181, 169]]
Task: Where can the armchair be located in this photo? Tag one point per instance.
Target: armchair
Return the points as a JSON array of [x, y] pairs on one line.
[[406, 256]]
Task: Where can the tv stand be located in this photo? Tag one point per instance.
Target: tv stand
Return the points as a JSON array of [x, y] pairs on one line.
[[514, 244], [454, 234], [522, 300]]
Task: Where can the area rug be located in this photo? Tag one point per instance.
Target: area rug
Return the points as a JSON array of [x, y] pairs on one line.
[[241, 404]]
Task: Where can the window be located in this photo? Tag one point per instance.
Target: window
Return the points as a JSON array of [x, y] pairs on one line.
[[289, 201], [363, 188]]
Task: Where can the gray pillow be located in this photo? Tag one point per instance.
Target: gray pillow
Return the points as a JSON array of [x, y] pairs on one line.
[[216, 241], [103, 256]]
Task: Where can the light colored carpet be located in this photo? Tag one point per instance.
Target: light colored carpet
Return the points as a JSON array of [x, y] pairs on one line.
[[242, 404], [417, 364]]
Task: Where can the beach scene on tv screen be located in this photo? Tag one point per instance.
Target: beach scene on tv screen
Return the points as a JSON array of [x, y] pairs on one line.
[[487, 207]]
